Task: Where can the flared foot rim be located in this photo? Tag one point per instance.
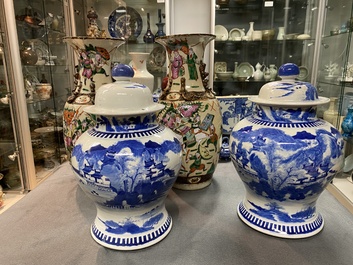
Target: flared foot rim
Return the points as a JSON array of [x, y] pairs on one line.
[[133, 242], [194, 186], [280, 229]]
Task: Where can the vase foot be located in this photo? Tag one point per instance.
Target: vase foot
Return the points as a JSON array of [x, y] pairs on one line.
[[281, 229], [193, 183], [131, 241]]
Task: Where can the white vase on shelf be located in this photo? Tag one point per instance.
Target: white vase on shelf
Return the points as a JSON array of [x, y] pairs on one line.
[[273, 72], [139, 60], [331, 114], [250, 31], [235, 72], [258, 74], [281, 33]]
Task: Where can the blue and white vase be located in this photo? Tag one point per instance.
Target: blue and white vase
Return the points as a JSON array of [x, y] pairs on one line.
[[127, 164], [285, 156], [347, 124]]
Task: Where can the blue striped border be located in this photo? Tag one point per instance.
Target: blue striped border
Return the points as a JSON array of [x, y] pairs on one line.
[[133, 241], [291, 229], [287, 125], [126, 135]]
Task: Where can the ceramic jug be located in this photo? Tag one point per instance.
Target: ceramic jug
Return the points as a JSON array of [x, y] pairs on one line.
[[258, 75], [273, 72]]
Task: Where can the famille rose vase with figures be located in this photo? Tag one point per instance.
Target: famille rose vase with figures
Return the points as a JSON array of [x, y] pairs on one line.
[[285, 156], [126, 164], [93, 70], [191, 108]]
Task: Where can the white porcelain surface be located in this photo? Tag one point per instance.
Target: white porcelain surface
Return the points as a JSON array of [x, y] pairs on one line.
[[48, 129], [224, 75], [221, 32], [123, 98], [289, 92], [236, 33], [220, 67], [139, 64], [245, 69]]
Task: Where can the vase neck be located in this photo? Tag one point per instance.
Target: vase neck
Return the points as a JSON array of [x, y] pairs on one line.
[[285, 114], [125, 124], [186, 70]]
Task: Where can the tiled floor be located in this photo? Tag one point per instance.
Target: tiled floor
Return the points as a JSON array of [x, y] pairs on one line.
[[9, 200]]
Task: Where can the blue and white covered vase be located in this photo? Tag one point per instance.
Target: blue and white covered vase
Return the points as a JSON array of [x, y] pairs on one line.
[[285, 156], [127, 164]]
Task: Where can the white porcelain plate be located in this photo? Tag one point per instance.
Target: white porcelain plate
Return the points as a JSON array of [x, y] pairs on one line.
[[303, 73], [220, 67], [48, 129], [221, 32], [245, 69], [236, 33]]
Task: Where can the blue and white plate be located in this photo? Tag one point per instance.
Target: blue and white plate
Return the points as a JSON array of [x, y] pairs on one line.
[[117, 24]]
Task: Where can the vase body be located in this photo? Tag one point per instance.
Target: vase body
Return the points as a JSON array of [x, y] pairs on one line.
[[258, 74], [93, 70], [347, 123], [273, 72], [141, 75], [191, 109], [267, 74], [148, 37], [235, 72], [331, 114], [127, 164], [250, 31], [160, 31], [285, 157], [280, 34]]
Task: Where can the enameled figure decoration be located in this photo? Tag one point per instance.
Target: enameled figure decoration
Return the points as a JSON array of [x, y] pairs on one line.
[[192, 109]]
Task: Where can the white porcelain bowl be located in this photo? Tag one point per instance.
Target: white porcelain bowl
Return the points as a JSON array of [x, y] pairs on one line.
[[224, 75]]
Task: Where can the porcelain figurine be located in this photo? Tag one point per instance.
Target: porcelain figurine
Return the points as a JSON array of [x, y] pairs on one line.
[[285, 156]]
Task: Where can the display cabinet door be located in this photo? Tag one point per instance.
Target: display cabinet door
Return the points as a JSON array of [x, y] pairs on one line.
[[39, 82], [11, 179]]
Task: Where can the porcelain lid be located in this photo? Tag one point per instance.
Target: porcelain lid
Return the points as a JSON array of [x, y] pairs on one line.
[[123, 97], [288, 91]]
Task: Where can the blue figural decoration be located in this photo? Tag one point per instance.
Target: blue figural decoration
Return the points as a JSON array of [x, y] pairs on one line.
[[127, 164], [285, 157]]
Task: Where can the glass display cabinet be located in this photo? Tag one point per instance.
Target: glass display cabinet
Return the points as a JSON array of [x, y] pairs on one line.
[[10, 170], [146, 20], [253, 36], [335, 80], [35, 82]]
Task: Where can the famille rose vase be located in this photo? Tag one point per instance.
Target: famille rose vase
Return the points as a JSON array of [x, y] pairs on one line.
[[191, 109], [93, 70], [285, 156], [126, 164]]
